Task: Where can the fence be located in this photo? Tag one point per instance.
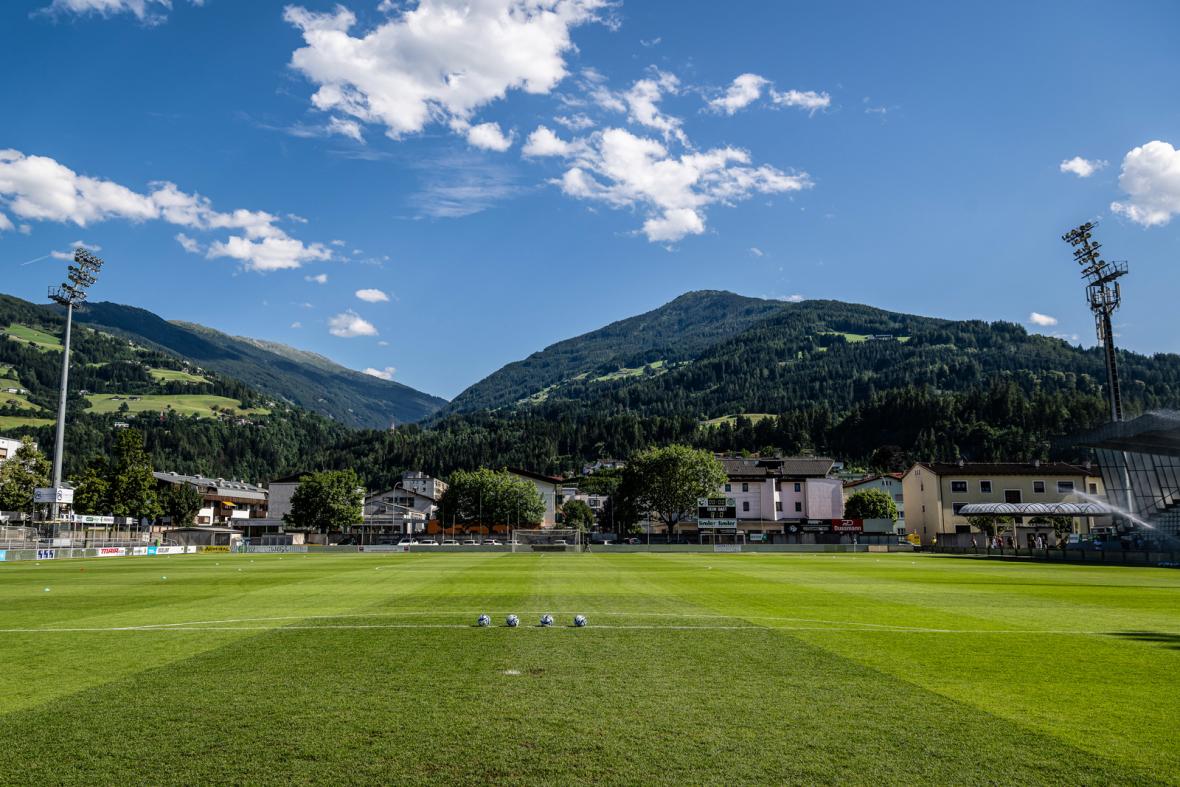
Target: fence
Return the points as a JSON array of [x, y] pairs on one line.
[[1114, 557]]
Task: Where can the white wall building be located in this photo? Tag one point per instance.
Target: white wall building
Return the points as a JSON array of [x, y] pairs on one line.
[[550, 488], [889, 483], [8, 448]]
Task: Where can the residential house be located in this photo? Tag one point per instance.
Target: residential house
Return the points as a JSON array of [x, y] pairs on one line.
[[550, 489], [936, 491], [224, 502], [8, 448], [400, 510]]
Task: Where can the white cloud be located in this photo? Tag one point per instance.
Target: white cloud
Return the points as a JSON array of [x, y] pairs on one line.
[[543, 142], [338, 242], [745, 90], [796, 298], [191, 245], [804, 99], [1151, 179], [41, 189], [150, 11], [372, 295], [642, 101], [62, 255], [1043, 320], [1081, 167], [319, 278], [624, 170], [385, 374], [489, 137], [297, 324], [24, 229], [575, 122], [6, 223], [439, 61], [346, 128], [382, 343], [349, 324], [296, 218], [757, 252]]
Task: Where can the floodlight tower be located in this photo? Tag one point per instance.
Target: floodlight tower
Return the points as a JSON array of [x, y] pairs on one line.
[[70, 294], [1104, 295]]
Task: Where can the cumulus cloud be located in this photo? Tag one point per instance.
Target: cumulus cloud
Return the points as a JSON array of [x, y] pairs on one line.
[[796, 298], [1151, 179], [624, 170], [803, 99], [346, 128], [437, 62], [489, 137], [384, 374], [1081, 167], [372, 295], [1043, 320], [149, 11], [543, 142], [575, 122], [319, 278], [39, 188], [745, 90], [349, 324]]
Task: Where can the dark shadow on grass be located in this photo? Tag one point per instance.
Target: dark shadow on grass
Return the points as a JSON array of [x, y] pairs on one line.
[[1169, 641]]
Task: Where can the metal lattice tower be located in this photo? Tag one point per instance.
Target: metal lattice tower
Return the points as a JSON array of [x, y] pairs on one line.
[[1104, 296]]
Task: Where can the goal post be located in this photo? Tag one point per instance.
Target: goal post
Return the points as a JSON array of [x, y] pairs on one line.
[[549, 539]]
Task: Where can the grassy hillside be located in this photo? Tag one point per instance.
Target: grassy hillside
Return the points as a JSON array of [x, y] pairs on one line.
[[305, 379], [200, 405]]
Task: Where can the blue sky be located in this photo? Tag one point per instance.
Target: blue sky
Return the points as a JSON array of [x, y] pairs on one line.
[[441, 187]]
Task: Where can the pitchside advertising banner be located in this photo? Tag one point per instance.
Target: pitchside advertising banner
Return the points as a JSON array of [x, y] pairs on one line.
[[111, 552], [827, 526]]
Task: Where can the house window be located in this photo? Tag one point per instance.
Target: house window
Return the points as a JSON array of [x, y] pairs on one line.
[[778, 505], [985, 487], [728, 487], [1039, 487], [956, 507], [745, 505], [1064, 487], [798, 487], [898, 498], [798, 506], [958, 486], [745, 487], [1093, 489]]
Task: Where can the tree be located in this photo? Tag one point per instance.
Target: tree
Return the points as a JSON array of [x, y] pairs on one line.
[[326, 500], [669, 480], [578, 515], [132, 485], [492, 497], [92, 490], [871, 504], [23, 472], [992, 524], [181, 502]]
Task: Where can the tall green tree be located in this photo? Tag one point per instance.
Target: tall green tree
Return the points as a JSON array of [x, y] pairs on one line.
[[491, 497], [578, 515], [325, 501], [132, 486], [20, 474], [181, 502], [92, 490], [870, 504], [667, 481]]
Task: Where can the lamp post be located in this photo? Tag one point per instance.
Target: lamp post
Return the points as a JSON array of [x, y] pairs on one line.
[[70, 294]]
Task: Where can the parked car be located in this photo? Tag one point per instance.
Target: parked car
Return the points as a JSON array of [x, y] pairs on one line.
[[428, 542], [471, 542], [491, 542], [405, 542], [632, 541], [561, 542], [450, 542]]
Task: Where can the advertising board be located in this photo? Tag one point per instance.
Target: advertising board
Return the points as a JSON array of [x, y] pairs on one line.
[[53, 494], [111, 552], [46, 554], [213, 549], [848, 525]]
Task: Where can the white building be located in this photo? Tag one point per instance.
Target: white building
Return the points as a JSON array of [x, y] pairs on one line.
[[281, 491], [222, 501], [423, 484], [400, 510], [550, 488], [8, 448]]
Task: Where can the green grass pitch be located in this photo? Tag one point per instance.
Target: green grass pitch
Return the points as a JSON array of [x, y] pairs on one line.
[[695, 668]]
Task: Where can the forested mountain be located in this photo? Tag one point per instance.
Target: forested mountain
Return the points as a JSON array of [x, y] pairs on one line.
[[306, 379], [674, 333]]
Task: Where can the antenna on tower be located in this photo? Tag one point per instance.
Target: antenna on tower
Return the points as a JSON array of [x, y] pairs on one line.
[[1104, 296]]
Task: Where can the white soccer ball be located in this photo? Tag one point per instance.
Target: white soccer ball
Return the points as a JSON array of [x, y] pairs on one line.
[[546, 620], [512, 621], [484, 621], [579, 620]]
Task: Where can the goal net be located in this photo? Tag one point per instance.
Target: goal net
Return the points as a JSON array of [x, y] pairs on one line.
[[549, 539]]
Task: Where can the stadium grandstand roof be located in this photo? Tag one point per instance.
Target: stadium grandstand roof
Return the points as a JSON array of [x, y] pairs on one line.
[[1156, 432]]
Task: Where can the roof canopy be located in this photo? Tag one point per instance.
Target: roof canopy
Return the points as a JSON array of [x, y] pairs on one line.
[[1157, 432], [1036, 509]]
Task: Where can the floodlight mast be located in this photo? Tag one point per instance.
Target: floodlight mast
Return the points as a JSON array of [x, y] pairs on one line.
[[1104, 296], [70, 294]]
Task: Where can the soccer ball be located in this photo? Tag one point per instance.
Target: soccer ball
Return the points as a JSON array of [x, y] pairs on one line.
[[512, 621], [484, 621], [546, 620], [579, 620]]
